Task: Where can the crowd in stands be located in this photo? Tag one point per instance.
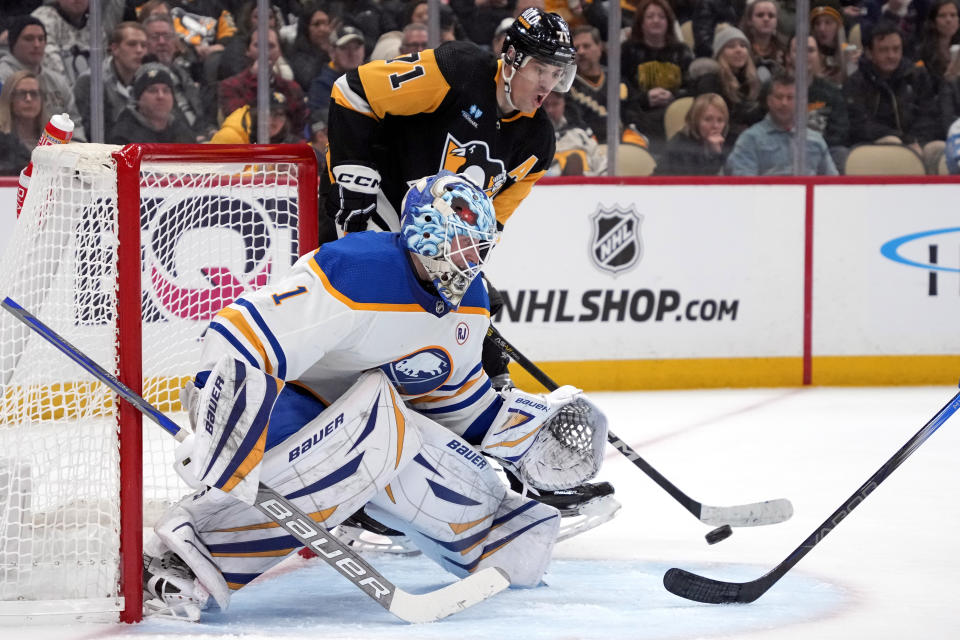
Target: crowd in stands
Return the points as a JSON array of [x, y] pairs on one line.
[[878, 72]]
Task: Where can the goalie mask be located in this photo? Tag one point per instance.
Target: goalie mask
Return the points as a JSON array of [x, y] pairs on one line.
[[545, 37], [449, 224]]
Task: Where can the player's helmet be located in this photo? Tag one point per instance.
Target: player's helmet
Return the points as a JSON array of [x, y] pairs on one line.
[[544, 36], [449, 224]]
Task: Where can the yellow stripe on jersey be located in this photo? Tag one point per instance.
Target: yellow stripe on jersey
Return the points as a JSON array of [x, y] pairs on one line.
[[235, 318], [404, 86], [508, 200]]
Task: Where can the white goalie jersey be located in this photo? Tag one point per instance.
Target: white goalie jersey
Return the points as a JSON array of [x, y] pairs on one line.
[[352, 306]]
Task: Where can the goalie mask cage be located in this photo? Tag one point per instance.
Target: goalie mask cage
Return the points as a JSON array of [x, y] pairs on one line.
[[128, 253]]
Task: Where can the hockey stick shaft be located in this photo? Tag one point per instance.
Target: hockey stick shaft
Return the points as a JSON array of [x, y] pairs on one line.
[[406, 606], [695, 587], [761, 513]]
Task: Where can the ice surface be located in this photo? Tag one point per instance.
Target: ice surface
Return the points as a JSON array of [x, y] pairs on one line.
[[888, 571]]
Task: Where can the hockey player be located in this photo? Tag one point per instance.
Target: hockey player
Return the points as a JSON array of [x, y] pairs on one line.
[[355, 382], [455, 107], [458, 108]]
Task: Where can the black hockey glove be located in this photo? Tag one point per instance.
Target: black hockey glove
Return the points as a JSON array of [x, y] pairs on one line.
[[354, 198]]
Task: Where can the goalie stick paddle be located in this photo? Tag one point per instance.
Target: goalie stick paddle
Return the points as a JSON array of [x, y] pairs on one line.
[[745, 515], [426, 607], [694, 587]]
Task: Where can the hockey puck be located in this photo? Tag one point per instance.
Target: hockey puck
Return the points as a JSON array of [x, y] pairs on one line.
[[718, 534]]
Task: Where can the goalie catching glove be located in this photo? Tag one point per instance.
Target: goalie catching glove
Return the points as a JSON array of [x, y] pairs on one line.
[[229, 415], [550, 442]]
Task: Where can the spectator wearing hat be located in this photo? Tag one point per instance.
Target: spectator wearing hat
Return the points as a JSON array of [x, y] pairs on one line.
[[348, 54], [707, 16], [240, 127], [241, 89], [733, 77], [27, 38], [151, 117], [128, 45], [195, 103], [827, 28]]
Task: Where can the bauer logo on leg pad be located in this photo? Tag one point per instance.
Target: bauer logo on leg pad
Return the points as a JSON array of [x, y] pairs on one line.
[[470, 454], [211, 417], [317, 438]]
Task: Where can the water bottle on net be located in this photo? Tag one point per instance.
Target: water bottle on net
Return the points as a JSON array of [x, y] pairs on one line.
[[58, 131]]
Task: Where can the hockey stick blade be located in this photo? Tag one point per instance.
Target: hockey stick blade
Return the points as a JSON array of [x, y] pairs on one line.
[[426, 607], [694, 587], [700, 589], [746, 515]]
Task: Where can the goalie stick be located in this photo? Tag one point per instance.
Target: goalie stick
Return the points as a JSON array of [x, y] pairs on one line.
[[745, 515], [426, 607], [694, 587]]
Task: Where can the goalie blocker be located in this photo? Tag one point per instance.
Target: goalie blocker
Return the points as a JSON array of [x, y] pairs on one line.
[[367, 448]]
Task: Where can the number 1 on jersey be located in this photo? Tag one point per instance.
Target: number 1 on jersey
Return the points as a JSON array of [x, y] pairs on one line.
[[280, 297]]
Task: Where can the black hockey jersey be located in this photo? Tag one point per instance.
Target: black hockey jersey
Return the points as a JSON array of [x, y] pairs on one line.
[[437, 109]]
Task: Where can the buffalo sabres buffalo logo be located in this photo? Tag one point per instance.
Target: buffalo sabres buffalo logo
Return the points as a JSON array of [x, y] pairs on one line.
[[421, 372], [473, 160], [616, 245]]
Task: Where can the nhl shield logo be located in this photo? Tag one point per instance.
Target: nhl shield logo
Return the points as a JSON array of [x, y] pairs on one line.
[[616, 244]]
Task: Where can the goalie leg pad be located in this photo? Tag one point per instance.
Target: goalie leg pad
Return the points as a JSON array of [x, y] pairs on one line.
[[454, 507], [329, 469]]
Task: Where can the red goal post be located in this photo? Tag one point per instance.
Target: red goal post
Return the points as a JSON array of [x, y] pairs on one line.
[[128, 251]]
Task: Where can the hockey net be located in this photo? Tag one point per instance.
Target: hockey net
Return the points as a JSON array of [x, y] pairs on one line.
[[126, 252]]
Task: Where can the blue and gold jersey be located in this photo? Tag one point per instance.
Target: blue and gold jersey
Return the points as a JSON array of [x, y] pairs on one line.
[[356, 304]]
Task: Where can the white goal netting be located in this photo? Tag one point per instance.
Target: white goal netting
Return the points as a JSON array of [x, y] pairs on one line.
[[208, 232]]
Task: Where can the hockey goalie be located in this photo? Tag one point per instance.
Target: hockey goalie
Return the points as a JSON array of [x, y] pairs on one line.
[[355, 384]]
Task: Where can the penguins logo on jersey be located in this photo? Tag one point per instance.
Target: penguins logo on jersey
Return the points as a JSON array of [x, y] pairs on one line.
[[420, 372], [473, 160]]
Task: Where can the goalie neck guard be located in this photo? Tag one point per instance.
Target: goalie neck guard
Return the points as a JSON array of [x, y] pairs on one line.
[[449, 225]]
